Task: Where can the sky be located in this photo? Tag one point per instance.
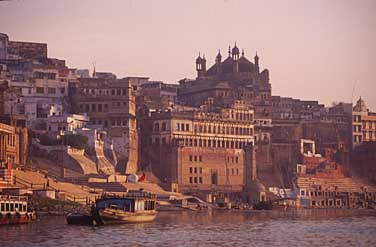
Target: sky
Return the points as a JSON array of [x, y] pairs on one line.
[[316, 50]]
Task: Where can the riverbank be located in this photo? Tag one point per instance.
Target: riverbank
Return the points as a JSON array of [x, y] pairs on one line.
[[47, 206]]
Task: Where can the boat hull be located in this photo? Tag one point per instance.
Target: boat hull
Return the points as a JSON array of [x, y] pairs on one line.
[[79, 219], [115, 216], [14, 219]]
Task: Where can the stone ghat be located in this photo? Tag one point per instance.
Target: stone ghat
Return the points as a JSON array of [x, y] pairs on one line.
[[340, 184]]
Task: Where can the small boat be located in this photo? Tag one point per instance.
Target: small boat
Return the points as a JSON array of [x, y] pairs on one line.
[[13, 210], [133, 207], [80, 219]]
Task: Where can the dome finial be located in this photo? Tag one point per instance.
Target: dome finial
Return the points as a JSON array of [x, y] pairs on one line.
[[242, 52], [229, 50]]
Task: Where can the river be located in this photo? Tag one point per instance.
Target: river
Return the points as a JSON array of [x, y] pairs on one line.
[[217, 228]]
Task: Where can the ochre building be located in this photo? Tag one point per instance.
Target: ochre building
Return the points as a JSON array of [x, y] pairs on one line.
[[205, 149]]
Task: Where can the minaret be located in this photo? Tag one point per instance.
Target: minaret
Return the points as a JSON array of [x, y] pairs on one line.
[[235, 53], [203, 64], [218, 62], [235, 57], [257, 63], [199, 65], [94, 72]]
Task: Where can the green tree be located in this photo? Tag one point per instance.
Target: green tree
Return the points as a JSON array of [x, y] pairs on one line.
[[75, 141]]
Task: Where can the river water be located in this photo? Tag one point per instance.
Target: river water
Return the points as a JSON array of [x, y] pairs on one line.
[[217, 228]]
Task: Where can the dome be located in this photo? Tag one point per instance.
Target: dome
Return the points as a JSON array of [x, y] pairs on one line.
[[257, 186], [235, 50]]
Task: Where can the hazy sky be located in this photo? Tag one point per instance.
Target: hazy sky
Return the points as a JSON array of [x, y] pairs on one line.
[[314, 49]]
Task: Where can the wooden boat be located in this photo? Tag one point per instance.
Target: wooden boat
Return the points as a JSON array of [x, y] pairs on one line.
[[13, 210], [134, 207], [80, 219]]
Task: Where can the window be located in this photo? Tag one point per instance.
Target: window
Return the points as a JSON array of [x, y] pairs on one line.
[[190, 158], [40, 90], [177, 127], [156, 127], [200, 158], [187, 127], [190, 170], [190, 180], [200, 180], [195, 169], [62, 90], [195, 158], [163, 126], [195, 180], [200, 169]]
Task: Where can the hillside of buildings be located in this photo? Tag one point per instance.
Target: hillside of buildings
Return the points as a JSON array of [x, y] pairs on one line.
[[220, 135]]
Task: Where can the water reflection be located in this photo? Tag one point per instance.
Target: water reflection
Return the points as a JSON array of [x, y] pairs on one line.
[[217, 228]]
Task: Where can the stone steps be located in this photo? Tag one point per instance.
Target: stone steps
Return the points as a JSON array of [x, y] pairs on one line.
[[342, 184]]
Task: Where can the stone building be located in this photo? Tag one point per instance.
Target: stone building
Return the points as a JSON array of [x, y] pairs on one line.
[[110, 105], [234, 78], [289, 108], [13, 145], [364, 124], [16, 50], [67, 123], [201, 150], [41, 93]]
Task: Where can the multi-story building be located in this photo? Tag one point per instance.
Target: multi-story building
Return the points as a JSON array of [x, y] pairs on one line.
[[208, 148], [364, 124], [289, 108], [110, 105], [159, 89], [41, 94], [13, 145]]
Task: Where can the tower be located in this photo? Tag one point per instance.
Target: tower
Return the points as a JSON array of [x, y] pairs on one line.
[[218, 61], [200, 66], [235, 57], [257, 63], [235, 53]]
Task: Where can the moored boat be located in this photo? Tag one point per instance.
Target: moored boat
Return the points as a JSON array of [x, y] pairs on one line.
[[132, 207], [13, 210]]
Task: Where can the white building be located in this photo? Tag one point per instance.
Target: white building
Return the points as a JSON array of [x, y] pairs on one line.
[[66, 123]]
